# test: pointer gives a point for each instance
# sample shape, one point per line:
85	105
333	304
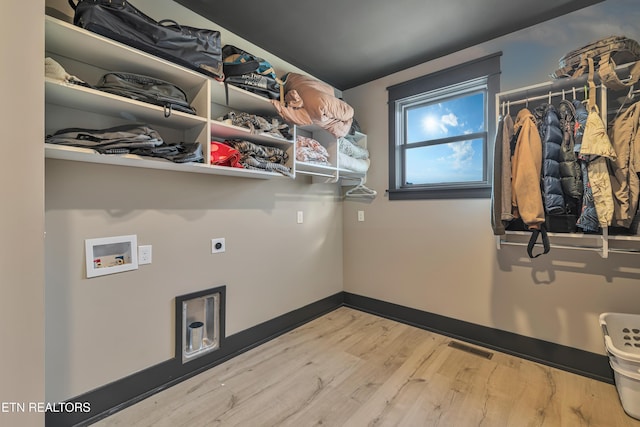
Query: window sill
440	193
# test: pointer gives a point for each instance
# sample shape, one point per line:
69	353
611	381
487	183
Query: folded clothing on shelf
311	151
351	149
353	164
136	139
257	124
256	156
123	138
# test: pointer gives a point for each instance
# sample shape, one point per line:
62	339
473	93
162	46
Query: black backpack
251	73
146	89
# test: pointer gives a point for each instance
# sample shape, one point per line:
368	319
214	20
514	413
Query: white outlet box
218	245
107	255
144	254
360	216
300	217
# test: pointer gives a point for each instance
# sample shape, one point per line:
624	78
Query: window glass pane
453	117
454	162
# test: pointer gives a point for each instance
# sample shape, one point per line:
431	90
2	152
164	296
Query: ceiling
350	42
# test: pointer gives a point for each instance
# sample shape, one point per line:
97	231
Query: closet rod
546	96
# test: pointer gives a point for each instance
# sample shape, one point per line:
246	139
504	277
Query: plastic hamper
622	341
628	386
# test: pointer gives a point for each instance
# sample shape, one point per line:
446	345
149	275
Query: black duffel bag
146	89
194	48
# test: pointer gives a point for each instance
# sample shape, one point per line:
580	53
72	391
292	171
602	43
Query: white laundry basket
622	341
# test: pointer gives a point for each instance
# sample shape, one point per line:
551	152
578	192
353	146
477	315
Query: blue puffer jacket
588	220
551	136
569	168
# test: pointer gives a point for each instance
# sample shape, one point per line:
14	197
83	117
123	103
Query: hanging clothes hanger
361	191
629	97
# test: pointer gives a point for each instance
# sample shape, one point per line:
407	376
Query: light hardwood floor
350	368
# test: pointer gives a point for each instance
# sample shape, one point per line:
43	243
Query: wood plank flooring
350	368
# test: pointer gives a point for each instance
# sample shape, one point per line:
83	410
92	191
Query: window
441	127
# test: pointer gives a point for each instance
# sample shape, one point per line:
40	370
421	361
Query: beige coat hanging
596	149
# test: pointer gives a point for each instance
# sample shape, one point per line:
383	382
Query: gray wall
22	214
440	255
102	329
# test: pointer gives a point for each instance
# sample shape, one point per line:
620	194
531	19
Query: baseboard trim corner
115	396
122	393
587	364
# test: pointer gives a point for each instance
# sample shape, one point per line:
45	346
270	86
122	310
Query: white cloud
613	17
449	120
462	154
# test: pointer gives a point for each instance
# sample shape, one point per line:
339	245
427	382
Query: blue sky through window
459	161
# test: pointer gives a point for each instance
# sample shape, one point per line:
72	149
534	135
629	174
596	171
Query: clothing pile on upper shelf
309	101
309	150
560	168
136	139
249	155
352	156
257	124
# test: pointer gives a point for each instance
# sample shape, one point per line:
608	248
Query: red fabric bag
224	155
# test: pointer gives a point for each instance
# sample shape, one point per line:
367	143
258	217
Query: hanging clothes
595	150
588	219
526	196
571	176
501	190
552	156
625	184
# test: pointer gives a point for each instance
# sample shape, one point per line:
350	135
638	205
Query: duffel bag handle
74	5
169	21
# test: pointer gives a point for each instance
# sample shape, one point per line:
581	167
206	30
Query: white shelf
316	169
99	102
333	170
346	174
226	131
84	53
78	154
241	100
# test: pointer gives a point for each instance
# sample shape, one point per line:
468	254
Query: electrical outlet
360	216
144	254
300	217
218	245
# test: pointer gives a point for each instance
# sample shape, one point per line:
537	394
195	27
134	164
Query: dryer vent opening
199	323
